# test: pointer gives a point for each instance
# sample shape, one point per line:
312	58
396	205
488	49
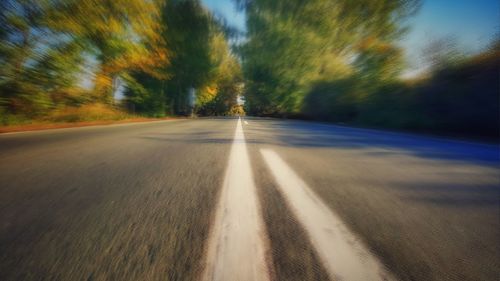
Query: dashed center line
343	255
236	248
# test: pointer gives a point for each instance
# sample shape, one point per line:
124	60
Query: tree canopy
294	44
156	50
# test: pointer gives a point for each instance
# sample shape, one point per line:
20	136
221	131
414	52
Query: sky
227	8
472	23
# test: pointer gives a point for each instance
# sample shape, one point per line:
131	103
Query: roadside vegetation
340	61
337	61
69	60
458	100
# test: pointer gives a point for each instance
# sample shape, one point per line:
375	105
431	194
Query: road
249	199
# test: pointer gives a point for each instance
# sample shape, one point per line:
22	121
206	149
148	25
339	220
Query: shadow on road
311	135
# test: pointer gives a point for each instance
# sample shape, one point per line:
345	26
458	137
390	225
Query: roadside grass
87	112
293	257
66	117
67	114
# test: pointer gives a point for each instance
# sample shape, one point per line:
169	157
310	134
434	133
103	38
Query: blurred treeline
340	61
59	56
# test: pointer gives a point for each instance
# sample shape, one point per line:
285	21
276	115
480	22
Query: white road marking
236	244
344	256
246	123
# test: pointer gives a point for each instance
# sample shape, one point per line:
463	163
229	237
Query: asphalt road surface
246	199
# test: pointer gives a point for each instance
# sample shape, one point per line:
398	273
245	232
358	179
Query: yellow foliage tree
125	35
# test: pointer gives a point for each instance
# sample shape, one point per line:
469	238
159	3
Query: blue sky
228	10
473	23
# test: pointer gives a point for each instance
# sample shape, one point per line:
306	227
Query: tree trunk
103	88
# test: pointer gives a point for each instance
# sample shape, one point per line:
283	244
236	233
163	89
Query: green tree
293	44
200	58
220	92
39	65
123	35
188	36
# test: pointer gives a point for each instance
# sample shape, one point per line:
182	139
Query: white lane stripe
344	256
236	244
246	123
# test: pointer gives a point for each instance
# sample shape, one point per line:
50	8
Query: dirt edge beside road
63	125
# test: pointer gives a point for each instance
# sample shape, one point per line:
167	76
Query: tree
39	65
200	58
441	53
293	44
188	36
219	95
123	35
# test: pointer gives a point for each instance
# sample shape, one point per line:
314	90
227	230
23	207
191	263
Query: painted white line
236	248
246	123
344	256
